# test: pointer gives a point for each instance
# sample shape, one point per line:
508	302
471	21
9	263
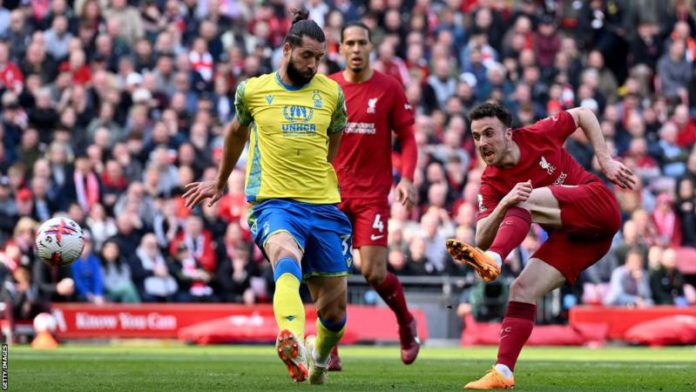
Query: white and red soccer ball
45	322
59	241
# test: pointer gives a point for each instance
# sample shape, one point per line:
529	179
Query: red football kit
590	214
376	107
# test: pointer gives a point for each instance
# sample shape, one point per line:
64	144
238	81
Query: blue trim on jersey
333	326
288	86
254	185
287	265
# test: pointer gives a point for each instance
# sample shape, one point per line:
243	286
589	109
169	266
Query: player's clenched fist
519	193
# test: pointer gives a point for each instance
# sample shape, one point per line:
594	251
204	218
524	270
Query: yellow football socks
287	305
328	335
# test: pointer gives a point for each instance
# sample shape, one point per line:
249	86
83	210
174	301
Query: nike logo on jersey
376	237
269	99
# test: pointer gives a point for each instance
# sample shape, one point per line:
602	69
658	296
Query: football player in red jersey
377	106
530	177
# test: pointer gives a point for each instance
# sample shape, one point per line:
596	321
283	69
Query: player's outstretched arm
615	171
487	228
235	140
406	191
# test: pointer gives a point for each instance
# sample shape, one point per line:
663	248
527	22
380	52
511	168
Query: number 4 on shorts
378	224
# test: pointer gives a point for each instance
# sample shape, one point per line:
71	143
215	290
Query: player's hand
196	192
406	193
518	194
619	174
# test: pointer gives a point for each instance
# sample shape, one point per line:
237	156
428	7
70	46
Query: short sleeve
488	199
557	127
339	116
402	111
241	106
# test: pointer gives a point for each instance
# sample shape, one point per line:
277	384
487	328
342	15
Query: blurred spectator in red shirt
666	221
198	241
687	128
11	77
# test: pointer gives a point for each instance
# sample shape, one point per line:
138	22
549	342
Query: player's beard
362	64
298	78
356	70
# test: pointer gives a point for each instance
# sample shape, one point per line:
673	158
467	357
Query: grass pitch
366	369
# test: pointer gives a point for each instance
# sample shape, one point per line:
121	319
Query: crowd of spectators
109	106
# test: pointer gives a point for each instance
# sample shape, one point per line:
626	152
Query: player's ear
287	48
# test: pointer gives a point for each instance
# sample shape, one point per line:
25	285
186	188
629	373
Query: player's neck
512	157
358	77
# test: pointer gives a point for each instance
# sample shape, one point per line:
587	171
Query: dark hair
119	262
491	109
636	251
302	26
356	23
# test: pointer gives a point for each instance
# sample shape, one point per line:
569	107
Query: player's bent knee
333	314
522	291
374	269
282	245
374	276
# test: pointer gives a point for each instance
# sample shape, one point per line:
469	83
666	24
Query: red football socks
517	326
392	293
512	231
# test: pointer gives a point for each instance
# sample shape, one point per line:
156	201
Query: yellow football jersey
290	128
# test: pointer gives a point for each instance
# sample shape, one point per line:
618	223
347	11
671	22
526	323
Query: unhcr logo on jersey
298	118
297	113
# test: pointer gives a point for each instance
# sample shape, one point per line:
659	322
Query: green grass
366	369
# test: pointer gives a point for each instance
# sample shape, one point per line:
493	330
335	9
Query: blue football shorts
322	232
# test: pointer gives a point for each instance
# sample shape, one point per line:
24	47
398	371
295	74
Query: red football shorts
590	217
370	219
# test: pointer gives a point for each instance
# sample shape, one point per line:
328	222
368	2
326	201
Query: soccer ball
44	322
59	241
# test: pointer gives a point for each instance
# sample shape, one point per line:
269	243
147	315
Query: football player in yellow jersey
294	120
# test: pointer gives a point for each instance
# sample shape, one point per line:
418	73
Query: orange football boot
292	353
484	264
492	380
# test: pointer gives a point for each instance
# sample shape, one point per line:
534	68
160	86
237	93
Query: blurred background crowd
109	106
